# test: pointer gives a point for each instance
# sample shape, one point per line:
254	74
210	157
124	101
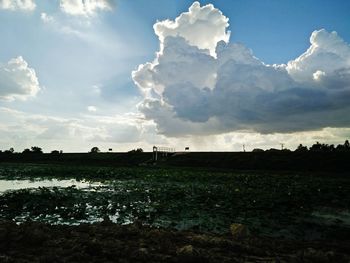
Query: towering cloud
17	80
26	5
328	55
200	26
84	7
199	83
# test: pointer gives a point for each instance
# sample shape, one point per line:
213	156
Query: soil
108	242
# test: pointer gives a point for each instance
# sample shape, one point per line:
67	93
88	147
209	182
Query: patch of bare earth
108	242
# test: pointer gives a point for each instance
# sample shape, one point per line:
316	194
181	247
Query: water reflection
153	203
6	185
332	217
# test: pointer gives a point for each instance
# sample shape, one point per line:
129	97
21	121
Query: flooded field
12	185
276	205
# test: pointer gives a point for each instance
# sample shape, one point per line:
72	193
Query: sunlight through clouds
23	5
81	73
85	7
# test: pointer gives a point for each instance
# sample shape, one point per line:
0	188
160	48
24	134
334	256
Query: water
11	185
332	217
157	204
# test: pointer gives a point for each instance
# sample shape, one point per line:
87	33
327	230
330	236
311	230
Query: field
292	206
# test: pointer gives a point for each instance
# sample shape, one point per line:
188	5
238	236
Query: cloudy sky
211	75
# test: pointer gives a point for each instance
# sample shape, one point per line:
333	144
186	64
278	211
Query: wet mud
108	242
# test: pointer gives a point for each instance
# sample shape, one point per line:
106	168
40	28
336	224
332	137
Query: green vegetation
299	205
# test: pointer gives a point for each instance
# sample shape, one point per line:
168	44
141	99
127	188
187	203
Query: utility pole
155	153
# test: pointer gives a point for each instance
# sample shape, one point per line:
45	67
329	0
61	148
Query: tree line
38	150
317	147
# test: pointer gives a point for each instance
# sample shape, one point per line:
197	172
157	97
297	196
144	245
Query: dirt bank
107	242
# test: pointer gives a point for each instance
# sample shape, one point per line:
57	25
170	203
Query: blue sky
83	63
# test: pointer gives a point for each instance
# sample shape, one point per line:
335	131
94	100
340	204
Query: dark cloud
191	90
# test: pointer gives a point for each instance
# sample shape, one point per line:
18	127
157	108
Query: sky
209	75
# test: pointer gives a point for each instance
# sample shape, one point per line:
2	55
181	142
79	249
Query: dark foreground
174	215
108	242
331	161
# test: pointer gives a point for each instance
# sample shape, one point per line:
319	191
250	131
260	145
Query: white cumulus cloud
188	90
17	80
85	7
200	26
46	18
25	5
328	54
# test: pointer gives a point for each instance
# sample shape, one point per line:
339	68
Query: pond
12	185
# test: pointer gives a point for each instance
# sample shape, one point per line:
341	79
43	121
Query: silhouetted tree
55	152
26	151
340	148
273	150
322	147
301	148
316	147
257	150
343	147
9	151
138	150
331	148
36	149
95	150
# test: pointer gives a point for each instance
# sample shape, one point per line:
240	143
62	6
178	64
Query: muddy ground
108	242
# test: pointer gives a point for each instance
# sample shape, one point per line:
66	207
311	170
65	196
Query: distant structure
187	148
164	151
110	149
243	147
